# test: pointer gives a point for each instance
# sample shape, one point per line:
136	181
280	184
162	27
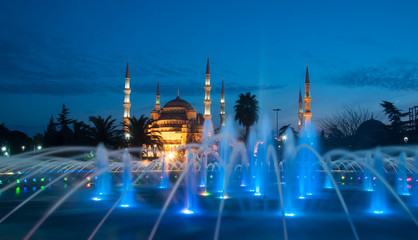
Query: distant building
413	119
411	134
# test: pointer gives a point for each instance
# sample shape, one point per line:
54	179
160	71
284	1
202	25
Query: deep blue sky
74	53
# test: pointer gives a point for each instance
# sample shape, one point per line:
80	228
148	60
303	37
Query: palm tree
246	111
284	128
140	134
105	131
81	133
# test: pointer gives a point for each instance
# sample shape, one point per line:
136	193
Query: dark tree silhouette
340	128
81	133
345	122
65	134
13	140
397	127
4	132
284	128
140	134
38	140
51	134
246	111
394	114
105	131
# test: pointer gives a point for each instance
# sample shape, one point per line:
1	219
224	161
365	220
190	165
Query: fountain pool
231	191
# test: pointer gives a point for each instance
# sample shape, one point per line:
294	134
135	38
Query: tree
81	133
284	128
341	127
51	133
397	127
140	134
345	122
63	119
17	140
65	134
13	140
38	140
105	131
394	115
246	111
4	133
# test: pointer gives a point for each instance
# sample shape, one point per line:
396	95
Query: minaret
157	100
222	115
155	114
127	102
207	87
300	112
307	99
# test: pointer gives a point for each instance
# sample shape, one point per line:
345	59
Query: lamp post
155	151
277	121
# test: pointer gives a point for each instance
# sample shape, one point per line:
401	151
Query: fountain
251	144
164	173
208	133
367	176
103	180
378	203
222	188
402	182
128	198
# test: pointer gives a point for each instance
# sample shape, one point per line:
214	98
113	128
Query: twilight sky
74	53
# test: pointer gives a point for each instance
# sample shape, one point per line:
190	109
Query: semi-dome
371	133
371	126
178	102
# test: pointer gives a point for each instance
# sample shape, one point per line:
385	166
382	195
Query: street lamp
405	139
284	138
155	150
277	121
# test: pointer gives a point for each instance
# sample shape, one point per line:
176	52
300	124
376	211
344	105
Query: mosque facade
177	122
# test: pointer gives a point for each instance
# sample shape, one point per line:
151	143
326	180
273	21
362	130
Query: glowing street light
3	149
284	138
170	156
39	147
405	139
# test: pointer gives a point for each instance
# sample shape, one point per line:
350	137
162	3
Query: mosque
178	123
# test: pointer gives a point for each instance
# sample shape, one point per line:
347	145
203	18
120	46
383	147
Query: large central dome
178	102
